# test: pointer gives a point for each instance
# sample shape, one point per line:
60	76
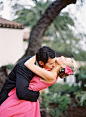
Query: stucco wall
11	45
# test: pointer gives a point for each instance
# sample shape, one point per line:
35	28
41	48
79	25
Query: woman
13	107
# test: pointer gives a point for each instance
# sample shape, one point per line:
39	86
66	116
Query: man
20	76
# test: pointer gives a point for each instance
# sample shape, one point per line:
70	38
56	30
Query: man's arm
23	77
3	96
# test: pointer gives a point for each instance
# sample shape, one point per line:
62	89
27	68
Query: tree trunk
36	36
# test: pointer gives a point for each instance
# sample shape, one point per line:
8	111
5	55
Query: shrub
55	98
10	66
45	100
64	88
81	98
81	76
62	102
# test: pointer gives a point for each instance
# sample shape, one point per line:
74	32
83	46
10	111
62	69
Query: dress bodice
36	84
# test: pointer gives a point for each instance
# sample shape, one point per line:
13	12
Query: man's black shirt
19	77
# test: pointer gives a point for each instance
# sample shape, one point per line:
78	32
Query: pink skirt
13	107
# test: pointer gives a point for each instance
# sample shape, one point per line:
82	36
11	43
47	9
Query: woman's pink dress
13	107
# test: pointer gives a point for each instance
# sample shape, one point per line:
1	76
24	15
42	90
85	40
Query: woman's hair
73	64
72	67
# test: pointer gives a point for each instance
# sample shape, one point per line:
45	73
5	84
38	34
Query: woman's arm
46	75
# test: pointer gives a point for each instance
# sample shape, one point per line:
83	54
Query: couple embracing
27	80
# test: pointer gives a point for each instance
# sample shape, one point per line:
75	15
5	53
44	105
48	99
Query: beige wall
11	45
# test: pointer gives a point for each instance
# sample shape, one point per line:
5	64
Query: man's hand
41	91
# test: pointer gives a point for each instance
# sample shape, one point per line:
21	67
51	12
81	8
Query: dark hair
62	73
44	53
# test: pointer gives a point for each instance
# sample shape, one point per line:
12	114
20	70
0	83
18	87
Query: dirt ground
75	111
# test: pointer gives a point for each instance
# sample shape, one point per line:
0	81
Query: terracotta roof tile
10	24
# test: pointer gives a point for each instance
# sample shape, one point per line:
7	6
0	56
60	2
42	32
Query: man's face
50	64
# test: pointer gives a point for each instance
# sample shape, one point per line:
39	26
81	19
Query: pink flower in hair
68	71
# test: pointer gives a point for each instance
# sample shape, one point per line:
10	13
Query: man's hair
44	53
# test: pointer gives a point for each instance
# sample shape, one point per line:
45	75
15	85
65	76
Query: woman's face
64	61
